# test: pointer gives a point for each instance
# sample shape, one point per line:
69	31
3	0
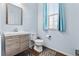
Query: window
53	21
53	15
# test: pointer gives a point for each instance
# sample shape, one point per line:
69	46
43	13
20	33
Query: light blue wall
67	41
29	18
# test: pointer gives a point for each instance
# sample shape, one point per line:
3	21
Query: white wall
67	41
29	18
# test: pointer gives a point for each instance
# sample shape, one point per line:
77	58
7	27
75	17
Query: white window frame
54	25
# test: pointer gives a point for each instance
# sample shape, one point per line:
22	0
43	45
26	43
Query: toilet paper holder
49	37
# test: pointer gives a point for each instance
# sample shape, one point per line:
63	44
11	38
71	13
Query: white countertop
16	33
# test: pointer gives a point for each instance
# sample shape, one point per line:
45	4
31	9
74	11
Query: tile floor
46	52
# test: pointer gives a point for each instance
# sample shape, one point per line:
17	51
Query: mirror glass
13	14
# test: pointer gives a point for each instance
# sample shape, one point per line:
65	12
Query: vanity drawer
16	44
23	41
24	38
12	46
12	41
24	46
10	50
12	37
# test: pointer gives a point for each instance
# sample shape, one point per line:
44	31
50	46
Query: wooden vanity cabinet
16	44
24	43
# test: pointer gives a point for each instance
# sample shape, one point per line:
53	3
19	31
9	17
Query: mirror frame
21	21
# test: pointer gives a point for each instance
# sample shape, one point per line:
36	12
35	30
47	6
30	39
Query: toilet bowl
38	45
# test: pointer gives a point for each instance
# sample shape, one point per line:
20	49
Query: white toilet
38	45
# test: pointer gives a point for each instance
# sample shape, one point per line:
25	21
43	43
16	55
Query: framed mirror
13	14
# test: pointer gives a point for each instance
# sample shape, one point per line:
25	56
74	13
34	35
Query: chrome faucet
15	30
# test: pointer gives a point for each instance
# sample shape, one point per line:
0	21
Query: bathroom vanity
16	43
